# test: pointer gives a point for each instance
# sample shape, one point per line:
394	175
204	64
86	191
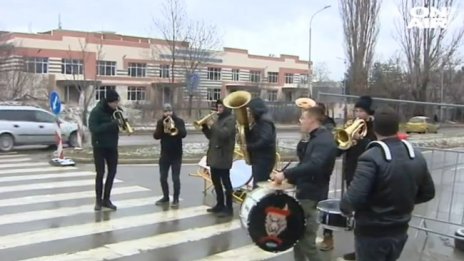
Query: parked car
27	125
421	124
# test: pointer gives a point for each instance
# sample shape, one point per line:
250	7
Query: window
214	74
135	93
289	78
272	76
71	66
16	115
213	94
106	68
100	92
255	76
164	71
235	75
41	116
137	69
36	65
272	95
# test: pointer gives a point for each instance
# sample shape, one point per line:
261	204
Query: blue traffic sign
55	103
193	80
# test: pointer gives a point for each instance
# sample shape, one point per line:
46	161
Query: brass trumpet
346	137
170	127
197	124
122	121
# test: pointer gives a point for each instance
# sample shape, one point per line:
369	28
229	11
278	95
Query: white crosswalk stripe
48	216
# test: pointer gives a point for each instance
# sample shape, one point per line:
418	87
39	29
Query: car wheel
6	142
72	142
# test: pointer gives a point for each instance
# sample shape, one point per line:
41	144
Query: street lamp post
310	84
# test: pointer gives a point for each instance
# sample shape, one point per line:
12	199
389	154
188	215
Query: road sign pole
59	159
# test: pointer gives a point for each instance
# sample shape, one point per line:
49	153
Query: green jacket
104	129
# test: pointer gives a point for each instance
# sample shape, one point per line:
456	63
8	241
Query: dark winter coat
171	146
103	128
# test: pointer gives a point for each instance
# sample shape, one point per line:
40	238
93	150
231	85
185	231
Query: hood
258	108
103	104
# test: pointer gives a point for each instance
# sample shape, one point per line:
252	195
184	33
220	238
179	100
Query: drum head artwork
240	174
276	223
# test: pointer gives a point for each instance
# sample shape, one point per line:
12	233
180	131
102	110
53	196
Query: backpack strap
410	149
381	144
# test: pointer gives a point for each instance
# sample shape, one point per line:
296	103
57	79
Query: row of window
108	68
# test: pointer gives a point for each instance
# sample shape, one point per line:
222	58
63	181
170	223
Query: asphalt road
47	214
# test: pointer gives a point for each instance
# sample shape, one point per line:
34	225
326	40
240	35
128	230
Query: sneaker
226	213
162	202
349	257
108	204
175	204
327	244
215	209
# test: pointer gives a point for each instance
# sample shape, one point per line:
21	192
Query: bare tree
191	44
321	72
425	49
360	27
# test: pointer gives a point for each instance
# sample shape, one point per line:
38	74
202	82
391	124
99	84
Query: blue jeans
379	248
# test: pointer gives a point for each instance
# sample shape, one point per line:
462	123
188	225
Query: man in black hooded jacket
261	141
171	155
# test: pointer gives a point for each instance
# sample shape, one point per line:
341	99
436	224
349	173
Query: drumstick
286	166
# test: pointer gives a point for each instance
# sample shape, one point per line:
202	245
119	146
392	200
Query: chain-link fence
342	106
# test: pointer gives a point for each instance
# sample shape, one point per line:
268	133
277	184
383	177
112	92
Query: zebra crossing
46	213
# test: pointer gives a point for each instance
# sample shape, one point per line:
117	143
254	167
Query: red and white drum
275	221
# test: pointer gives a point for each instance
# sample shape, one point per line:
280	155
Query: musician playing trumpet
170	130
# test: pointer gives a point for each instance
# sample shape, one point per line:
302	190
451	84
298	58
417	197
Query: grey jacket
221	138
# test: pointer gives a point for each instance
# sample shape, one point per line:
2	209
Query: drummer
261	141
311	176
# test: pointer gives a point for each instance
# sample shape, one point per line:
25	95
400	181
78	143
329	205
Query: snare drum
275	221
240	174
330	216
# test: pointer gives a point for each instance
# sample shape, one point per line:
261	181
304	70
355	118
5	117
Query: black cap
112	95
365	103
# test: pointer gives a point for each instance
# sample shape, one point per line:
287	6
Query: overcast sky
261	26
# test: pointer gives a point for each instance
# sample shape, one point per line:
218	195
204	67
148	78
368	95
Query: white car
27	125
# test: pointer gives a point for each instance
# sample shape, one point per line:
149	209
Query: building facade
81	64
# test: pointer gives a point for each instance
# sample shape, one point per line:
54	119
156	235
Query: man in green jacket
105	135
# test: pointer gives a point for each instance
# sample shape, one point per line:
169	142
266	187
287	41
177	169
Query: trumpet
346	137
197	124
170	127
122	121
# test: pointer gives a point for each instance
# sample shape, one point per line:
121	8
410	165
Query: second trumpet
170	127
197	124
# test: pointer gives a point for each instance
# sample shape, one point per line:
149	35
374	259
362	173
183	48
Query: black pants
221	177
100	156
164	164
261	170
379	248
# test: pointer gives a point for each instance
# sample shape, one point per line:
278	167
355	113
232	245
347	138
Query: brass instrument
122	121
305	103
346	137
197	124
238	101
170	127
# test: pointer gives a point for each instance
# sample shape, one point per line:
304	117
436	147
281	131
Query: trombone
122	121
197	124
170	127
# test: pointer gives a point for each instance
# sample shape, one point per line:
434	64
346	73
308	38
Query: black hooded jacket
261	140
104	129
171	146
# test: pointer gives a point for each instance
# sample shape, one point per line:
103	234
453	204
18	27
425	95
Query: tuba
305	103
238	102
346	137
122	121
197	124
170	127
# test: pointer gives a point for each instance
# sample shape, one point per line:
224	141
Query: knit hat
167	107
365	103
386	122
257	107
112	95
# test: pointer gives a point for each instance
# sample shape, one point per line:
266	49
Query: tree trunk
190	105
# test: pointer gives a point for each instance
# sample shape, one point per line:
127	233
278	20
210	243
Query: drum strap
386	150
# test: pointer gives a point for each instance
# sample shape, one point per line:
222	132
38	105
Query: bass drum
275	221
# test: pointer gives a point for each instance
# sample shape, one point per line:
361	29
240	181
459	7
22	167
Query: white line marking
15	160
70	211
47	176
134	247
252	253
65	196
50	185
30	170
24	164
12	156
45	235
